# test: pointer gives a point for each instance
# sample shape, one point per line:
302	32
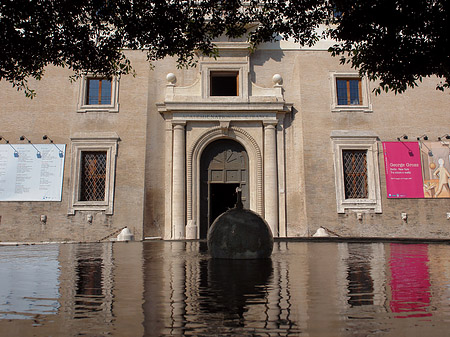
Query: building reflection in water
208	296
175	288
310	288
410	280
360	282
87	285
90	273
232	287
101	289
362	273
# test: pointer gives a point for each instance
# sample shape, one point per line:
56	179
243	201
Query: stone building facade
175	143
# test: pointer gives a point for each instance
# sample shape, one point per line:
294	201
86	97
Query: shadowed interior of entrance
222	198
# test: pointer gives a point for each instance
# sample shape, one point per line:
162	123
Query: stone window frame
93	142
365	106
83	107
357	140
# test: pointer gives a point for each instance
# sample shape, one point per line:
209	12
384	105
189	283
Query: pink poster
403	168
436	169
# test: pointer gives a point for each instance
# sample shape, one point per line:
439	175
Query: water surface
175	288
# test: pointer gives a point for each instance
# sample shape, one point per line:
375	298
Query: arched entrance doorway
223	167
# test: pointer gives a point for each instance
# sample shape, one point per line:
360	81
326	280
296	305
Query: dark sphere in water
240	234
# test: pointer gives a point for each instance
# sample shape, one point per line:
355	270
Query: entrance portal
223	167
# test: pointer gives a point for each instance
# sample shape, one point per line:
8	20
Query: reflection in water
234	285
175	288
28	281
192	294
360	286
89	295
410	281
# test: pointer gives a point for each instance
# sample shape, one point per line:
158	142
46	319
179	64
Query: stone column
270	177
178	182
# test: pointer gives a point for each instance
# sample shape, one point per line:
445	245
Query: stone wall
143	174
53	112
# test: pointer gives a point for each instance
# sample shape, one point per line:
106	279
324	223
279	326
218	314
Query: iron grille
93	176
355	174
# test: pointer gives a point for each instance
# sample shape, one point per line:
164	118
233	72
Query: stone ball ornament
171	78
277	79
240	234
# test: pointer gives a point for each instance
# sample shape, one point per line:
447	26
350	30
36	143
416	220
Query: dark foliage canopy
394	41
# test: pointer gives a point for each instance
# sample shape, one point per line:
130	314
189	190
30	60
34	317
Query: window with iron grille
93	175
355	173
93	170
356	167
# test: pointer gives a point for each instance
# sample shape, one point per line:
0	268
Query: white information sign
31	173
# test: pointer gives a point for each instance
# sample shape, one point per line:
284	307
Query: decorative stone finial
171	78
125	235
277	79
239	203
321	232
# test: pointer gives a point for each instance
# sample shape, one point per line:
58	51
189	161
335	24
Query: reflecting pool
173	288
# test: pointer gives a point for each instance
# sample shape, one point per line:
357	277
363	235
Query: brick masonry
141	177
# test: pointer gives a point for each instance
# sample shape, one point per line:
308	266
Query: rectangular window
93	176
224	83
348	91
98	91
356	166
93	168
355	174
